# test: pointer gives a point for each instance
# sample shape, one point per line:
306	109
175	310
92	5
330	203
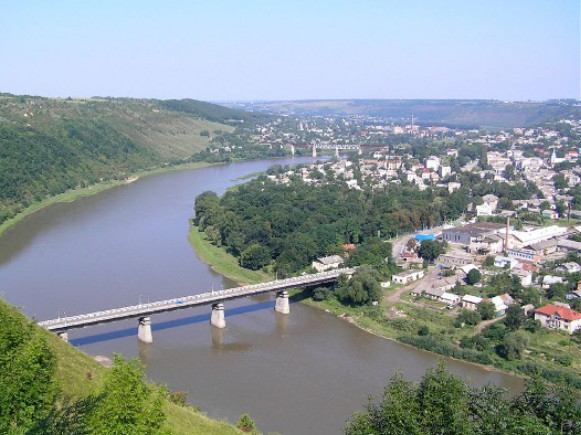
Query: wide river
300	374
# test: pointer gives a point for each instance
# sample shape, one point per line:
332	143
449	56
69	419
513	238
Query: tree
246	424
467	317
558	290
486	309
27	366
126	404
443	404
513	346
515	318
430	250
489	261
473	277
362	289
254	257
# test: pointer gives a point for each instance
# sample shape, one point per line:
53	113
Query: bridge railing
186	301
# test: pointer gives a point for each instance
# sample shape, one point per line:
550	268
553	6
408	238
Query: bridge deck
144	310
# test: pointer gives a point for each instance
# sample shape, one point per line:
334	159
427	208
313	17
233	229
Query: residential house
525	276
471	302
501	303
568	268
549	280
504	261
408	276
450	298
559	317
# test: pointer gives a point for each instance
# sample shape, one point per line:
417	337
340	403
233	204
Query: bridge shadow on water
201	318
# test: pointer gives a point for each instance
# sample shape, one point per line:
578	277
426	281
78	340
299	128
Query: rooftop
562	312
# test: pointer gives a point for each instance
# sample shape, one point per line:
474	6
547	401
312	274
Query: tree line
263	222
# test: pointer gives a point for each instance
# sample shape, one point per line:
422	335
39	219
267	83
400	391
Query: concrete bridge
335	147
214	298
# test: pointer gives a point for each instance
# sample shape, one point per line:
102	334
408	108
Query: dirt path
486	323
425	281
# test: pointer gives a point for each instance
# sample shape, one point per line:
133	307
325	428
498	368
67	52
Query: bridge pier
144	330
314	151
64	335
217	318
282	305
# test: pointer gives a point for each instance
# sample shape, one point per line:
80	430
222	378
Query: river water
300	374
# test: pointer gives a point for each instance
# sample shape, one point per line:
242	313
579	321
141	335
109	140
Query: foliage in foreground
31	401
444	404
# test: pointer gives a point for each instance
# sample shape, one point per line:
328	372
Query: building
568	268
525	276
471	233
568	246
503	261
451	260
523	238
325	263
524	254
408	276
559	317
501	303
470	302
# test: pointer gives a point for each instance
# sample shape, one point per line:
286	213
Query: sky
226	50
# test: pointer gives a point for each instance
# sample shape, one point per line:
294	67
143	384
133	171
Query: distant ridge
472	113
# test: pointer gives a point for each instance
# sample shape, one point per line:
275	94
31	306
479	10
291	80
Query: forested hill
48	145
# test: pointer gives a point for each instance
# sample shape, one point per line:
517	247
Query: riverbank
400	322
94	189
222	262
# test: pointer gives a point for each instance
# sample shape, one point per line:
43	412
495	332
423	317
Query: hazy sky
300	49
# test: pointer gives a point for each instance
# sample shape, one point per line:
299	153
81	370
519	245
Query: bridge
215	298
335	147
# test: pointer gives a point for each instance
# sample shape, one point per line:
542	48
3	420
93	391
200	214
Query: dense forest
263	221
49	146
444	404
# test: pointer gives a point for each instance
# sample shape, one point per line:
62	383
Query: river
300	374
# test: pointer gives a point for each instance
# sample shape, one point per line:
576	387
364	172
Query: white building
325	263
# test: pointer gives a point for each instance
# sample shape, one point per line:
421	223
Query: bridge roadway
216	298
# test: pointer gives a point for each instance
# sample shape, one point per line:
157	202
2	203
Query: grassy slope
222	262
74	365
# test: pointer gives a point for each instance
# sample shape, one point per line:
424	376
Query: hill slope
48	146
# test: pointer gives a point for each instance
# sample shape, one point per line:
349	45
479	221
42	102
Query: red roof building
559	317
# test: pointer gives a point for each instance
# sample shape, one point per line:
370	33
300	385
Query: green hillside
49	146
29	351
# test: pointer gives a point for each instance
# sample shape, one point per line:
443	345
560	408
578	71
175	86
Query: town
535	239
